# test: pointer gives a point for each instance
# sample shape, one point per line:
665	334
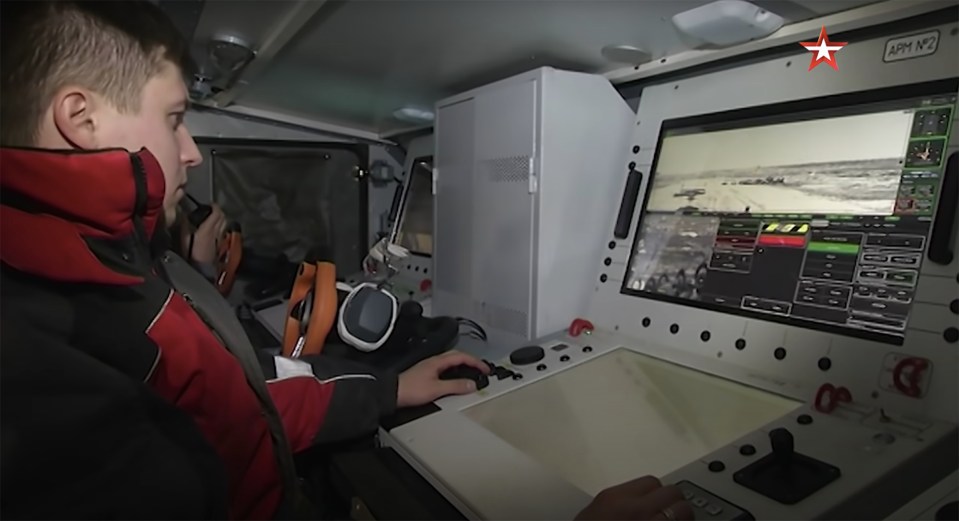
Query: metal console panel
933	504
540	446
525	170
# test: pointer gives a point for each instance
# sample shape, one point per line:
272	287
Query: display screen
414	230
817	217
623	415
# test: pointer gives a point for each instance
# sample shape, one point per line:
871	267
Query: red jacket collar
59	208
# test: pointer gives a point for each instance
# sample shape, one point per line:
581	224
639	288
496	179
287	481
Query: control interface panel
709	506
772	217
844	270
407	261
517	368
414	225
413	231
737	453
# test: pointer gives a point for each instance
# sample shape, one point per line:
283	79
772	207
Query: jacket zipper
140	201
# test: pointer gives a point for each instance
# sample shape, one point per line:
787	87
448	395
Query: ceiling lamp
727	22
414	115
626	54
229	53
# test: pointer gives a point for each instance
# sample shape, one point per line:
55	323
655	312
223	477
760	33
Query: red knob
580	326
425	285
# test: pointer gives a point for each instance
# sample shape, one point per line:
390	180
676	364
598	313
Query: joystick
785	475
783	446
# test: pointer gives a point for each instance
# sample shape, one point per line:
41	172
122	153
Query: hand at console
431	378
466	372
639	499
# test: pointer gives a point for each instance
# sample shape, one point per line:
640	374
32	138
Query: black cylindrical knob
527	355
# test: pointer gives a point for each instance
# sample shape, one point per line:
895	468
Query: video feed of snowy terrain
845	165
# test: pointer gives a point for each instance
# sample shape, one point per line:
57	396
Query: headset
367	316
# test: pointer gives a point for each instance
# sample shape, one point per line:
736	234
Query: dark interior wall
199	179
290	197
205	125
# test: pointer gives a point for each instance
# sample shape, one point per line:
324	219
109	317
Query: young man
118	401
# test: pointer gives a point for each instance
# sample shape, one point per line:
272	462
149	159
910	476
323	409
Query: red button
425	285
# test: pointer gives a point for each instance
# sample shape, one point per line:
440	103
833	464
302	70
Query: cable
474	330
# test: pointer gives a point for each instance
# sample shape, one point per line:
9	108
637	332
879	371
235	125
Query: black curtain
290	201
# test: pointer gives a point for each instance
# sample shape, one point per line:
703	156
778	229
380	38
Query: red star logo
824	49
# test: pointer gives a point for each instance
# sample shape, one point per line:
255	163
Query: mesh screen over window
291	201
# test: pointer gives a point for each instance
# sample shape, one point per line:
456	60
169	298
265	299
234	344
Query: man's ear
74	114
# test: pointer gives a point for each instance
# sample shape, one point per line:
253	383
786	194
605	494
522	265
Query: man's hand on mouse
640	499
421	383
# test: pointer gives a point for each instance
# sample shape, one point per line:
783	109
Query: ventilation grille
506	169
498	317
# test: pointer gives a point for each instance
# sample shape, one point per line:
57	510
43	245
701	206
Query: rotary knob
527	355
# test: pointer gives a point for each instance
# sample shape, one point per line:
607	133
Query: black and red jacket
117	399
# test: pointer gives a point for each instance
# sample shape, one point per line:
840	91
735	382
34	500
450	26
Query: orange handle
228	255
314	288
323	315
302	285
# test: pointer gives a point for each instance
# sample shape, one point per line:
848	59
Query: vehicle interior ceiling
335	78
350	66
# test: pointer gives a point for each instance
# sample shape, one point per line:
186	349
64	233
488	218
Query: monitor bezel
401	212
799	110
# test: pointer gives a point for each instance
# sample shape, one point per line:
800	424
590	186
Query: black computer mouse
948	511
467	372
